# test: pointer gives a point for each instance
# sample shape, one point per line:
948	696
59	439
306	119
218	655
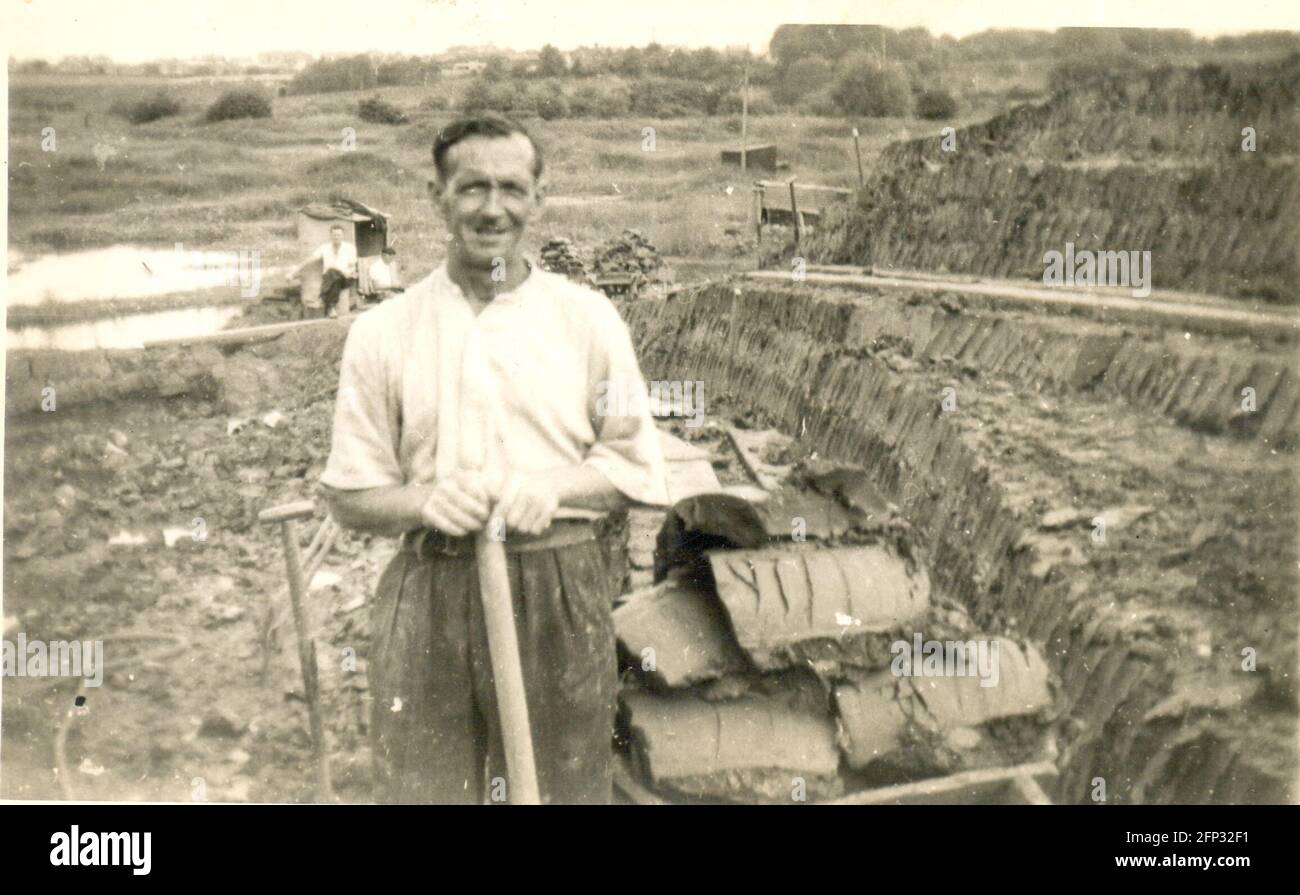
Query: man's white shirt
381	275
344	260
546	352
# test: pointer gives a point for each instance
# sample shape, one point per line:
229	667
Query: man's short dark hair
480	126
390	251
338	227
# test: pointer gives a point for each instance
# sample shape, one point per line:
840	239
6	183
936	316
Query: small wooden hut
363	226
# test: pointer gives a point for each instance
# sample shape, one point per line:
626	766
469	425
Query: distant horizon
243	29
491	48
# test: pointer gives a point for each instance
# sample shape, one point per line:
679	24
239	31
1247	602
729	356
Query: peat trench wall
1150	162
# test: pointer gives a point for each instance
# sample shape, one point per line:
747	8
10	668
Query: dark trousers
332	285
435	731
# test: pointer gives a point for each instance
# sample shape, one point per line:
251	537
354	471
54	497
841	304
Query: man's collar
513	297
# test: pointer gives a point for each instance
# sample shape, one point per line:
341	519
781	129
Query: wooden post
794	214
744	116
857	150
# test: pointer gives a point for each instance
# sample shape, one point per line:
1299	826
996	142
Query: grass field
236	185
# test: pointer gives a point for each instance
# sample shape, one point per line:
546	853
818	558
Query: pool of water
128	272
129	331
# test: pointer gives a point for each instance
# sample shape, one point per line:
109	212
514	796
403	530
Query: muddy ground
201	700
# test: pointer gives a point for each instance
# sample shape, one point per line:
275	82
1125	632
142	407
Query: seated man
383	275
339	268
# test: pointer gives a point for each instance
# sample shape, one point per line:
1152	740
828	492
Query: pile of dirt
774	659
1160	166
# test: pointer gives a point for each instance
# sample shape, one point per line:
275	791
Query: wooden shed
762	157
363	226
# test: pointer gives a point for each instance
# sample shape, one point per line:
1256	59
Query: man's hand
528	504
457	505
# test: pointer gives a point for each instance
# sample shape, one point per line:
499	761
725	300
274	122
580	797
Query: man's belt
427	543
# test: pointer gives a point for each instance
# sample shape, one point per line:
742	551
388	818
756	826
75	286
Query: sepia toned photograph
470	402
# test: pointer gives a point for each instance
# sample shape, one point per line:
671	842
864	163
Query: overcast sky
135	30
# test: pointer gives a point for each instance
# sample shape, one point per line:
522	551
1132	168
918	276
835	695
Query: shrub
413	71
864	86
760	103
935	104
1113	71
151	108
239	104
551	62
484	95
495	69
547	100
377	111
675	97
592	100
803	77
331	75
821	105
436	102
659	99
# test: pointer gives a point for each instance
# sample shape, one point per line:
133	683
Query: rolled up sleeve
627	449
366	438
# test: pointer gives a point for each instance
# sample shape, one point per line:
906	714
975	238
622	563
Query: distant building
467	68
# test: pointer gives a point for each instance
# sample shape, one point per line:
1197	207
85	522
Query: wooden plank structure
1015	785
807	201
807	209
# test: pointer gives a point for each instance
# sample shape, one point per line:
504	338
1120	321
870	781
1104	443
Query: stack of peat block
765	664
558	256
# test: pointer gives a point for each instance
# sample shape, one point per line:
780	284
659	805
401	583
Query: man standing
473	399
338	268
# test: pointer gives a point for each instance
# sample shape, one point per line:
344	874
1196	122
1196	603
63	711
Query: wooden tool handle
285	511
307	658
503	646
